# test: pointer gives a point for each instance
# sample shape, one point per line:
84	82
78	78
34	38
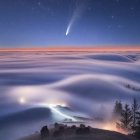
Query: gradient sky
44	22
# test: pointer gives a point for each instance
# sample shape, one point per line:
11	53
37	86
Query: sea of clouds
83	84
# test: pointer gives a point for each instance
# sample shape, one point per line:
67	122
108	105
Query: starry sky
69	22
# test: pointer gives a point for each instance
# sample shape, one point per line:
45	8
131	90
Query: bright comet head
67	33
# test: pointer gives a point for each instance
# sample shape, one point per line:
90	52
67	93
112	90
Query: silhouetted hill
95	134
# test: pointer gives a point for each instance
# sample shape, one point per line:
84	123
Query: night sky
69	22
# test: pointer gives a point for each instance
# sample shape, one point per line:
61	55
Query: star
112	17
120	26
109	26
132	8
39	3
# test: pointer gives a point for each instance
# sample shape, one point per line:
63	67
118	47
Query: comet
70	25
68	29
76	14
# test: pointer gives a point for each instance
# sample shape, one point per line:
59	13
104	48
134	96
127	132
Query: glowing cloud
22	100
55	110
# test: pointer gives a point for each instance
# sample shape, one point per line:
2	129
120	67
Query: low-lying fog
42	88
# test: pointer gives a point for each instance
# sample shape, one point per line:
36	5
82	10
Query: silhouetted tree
117	110
82	126
126	119
137	127
135	108
44	132
59	130
87	130
56	126
73	127
82	130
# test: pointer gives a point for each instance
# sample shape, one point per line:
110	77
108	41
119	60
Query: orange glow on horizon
112	127
75	49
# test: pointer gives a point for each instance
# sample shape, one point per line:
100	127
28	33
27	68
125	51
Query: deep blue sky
44	22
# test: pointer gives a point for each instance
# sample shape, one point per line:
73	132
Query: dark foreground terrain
80	133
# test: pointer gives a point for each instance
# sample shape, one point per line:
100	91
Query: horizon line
73	48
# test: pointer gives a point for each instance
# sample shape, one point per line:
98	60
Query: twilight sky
69	22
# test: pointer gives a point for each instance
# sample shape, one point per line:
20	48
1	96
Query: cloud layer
85	82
